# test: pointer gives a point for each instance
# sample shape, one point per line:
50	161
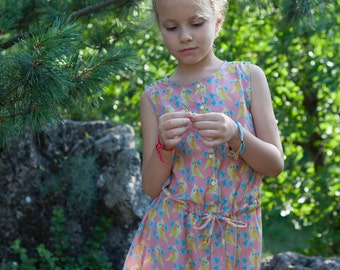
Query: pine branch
94	8
13	41
10	116
81	13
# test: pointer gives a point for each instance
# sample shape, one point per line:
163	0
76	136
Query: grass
281	236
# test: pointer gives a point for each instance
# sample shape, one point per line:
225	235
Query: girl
209	133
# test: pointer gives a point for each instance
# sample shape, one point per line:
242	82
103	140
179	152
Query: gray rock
295	261
35	169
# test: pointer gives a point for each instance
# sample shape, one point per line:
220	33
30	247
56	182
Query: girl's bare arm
170	127
264	152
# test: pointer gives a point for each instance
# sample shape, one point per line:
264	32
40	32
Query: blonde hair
214	7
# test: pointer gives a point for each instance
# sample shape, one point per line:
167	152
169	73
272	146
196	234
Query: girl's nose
185	35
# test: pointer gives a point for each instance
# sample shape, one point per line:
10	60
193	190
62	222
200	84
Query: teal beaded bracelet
236	154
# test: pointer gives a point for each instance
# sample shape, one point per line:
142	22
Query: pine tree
55	55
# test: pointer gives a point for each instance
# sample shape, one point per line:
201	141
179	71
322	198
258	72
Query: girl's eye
199	24
173	28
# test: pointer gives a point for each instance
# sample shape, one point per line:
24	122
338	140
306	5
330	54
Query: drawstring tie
212	218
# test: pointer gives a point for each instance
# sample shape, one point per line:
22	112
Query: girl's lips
187	50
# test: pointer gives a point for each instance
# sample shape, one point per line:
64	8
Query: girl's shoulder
239	67
247	67
159	84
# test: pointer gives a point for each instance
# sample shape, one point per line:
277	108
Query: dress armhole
243	70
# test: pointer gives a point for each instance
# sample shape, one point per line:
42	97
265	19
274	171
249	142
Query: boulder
90	169
296	261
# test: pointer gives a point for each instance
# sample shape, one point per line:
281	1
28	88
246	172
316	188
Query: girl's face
188	30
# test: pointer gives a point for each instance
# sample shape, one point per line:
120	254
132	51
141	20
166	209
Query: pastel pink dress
208	214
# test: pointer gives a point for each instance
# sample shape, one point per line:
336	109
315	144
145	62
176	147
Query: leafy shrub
57	258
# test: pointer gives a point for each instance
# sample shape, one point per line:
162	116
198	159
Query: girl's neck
189	73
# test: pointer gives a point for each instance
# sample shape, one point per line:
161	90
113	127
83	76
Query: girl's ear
219	21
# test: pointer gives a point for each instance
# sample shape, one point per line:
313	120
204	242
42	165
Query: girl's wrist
160	146
236	144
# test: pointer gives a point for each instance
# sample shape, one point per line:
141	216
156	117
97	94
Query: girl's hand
172	126
214	128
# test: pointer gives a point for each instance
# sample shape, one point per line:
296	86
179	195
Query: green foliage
27	263
53	67
279	236
56	258
39	62
58	226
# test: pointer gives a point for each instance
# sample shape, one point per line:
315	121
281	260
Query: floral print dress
208	214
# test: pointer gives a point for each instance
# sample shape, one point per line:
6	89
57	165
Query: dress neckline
167	79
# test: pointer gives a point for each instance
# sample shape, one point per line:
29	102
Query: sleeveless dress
208	214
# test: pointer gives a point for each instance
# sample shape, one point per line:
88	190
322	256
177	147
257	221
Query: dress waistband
205	219
205	216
